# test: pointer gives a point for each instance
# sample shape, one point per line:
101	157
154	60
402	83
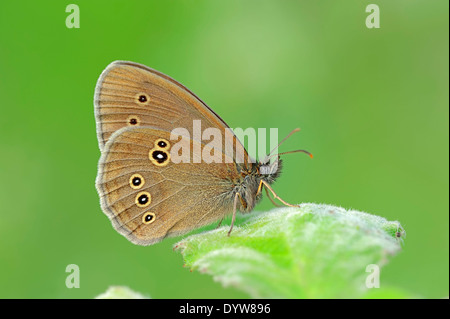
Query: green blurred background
372	105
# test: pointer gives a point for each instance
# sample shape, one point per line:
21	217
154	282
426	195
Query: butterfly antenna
284	139
296	151
268	156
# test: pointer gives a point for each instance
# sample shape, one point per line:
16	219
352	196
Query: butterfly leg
236	197
271	199
276	196
267	192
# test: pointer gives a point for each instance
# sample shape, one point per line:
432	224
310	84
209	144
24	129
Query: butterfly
145	193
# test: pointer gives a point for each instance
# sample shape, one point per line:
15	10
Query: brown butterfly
148	196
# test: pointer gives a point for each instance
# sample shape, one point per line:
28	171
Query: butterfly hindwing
148	197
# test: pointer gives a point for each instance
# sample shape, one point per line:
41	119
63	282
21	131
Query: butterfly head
268	171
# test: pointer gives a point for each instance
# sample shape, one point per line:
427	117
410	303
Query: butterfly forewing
131	94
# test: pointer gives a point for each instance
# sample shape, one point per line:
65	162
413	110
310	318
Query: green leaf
314	251
120	292
389	293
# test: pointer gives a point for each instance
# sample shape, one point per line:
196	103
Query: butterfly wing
131	95
148	197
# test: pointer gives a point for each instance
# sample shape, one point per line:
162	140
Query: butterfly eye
143	199
136	181
159	157
133	121
162	143
148	218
